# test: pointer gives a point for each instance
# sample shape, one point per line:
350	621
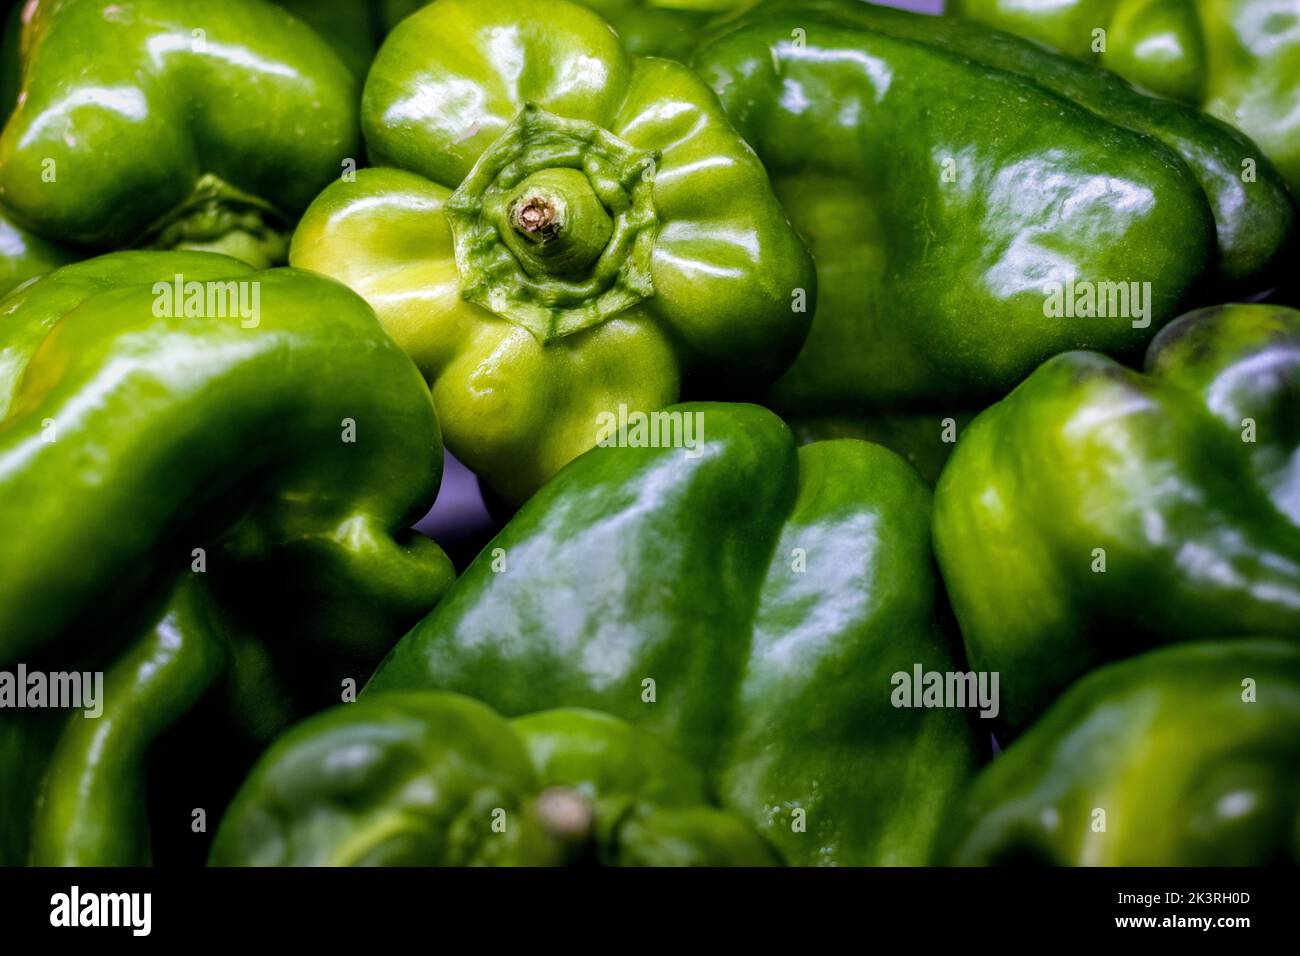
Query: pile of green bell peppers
893	460
1238	60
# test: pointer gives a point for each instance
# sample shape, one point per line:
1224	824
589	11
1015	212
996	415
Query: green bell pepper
670	28
423	778
747	601
89	808
202	125
1184	756
205	430
926	440
953	181
249	424
23	254
562	232
1097	510
25	746
354	28
1238	60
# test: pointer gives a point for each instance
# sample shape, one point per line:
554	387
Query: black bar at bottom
333	908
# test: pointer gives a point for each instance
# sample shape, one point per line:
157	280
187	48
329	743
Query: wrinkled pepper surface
560	231
946	175
285	437
1097	510
1185	756
203	125
430	779
1238	60
748	602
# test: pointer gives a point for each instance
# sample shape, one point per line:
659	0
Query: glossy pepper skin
202	125
205	430
1097	510
89	808
1238	60
432	779
559	229
669	28
354	28
925	439
1184	756
23	254
296	443
968	171
746	601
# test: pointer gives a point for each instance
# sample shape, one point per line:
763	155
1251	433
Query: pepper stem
556	225
536	218
218	217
